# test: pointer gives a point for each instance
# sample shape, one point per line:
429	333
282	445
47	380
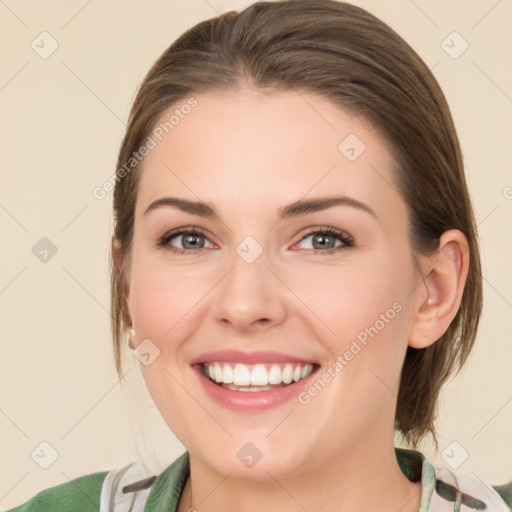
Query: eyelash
344	237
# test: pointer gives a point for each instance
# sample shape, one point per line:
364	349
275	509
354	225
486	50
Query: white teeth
258	377
228	374
288	374
242	375
218	373
274	375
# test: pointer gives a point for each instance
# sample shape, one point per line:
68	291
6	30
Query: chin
253	461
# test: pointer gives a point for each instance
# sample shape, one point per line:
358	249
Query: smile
253	381
255	377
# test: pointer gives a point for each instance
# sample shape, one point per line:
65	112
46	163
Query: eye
188	240
191	240
326	240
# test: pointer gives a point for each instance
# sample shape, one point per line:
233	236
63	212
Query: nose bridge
249	293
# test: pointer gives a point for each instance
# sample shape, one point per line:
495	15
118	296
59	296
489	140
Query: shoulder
131	487
505	491
444	489
469	490
135	488
80	494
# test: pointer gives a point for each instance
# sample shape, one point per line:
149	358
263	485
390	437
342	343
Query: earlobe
439	299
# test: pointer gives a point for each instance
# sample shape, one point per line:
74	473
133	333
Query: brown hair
359	63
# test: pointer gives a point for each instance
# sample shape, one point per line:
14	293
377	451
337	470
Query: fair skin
248	154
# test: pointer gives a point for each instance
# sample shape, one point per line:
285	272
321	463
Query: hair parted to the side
347	55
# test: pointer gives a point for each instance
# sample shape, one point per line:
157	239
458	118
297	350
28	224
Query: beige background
63	119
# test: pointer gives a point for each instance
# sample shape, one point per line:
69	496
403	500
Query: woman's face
257	289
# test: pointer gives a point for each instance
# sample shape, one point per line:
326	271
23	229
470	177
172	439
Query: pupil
188	238
322	239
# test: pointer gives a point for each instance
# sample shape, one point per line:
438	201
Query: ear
119	262
438	303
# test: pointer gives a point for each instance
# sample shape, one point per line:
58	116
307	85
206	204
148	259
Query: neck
369	478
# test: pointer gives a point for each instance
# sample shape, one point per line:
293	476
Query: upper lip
237	356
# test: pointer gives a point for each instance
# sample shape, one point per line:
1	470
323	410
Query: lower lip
251	400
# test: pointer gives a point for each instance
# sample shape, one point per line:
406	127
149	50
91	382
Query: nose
250	297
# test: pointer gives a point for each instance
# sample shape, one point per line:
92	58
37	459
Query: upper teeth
258	374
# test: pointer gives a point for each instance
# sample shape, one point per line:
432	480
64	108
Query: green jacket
128	490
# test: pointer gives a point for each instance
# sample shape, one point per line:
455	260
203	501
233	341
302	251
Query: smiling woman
295	264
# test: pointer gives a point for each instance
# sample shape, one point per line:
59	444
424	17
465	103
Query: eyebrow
296	209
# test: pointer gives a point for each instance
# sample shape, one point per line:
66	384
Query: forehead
242	147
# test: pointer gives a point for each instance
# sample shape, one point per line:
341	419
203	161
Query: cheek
349	299
151	300
365	315
162	298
